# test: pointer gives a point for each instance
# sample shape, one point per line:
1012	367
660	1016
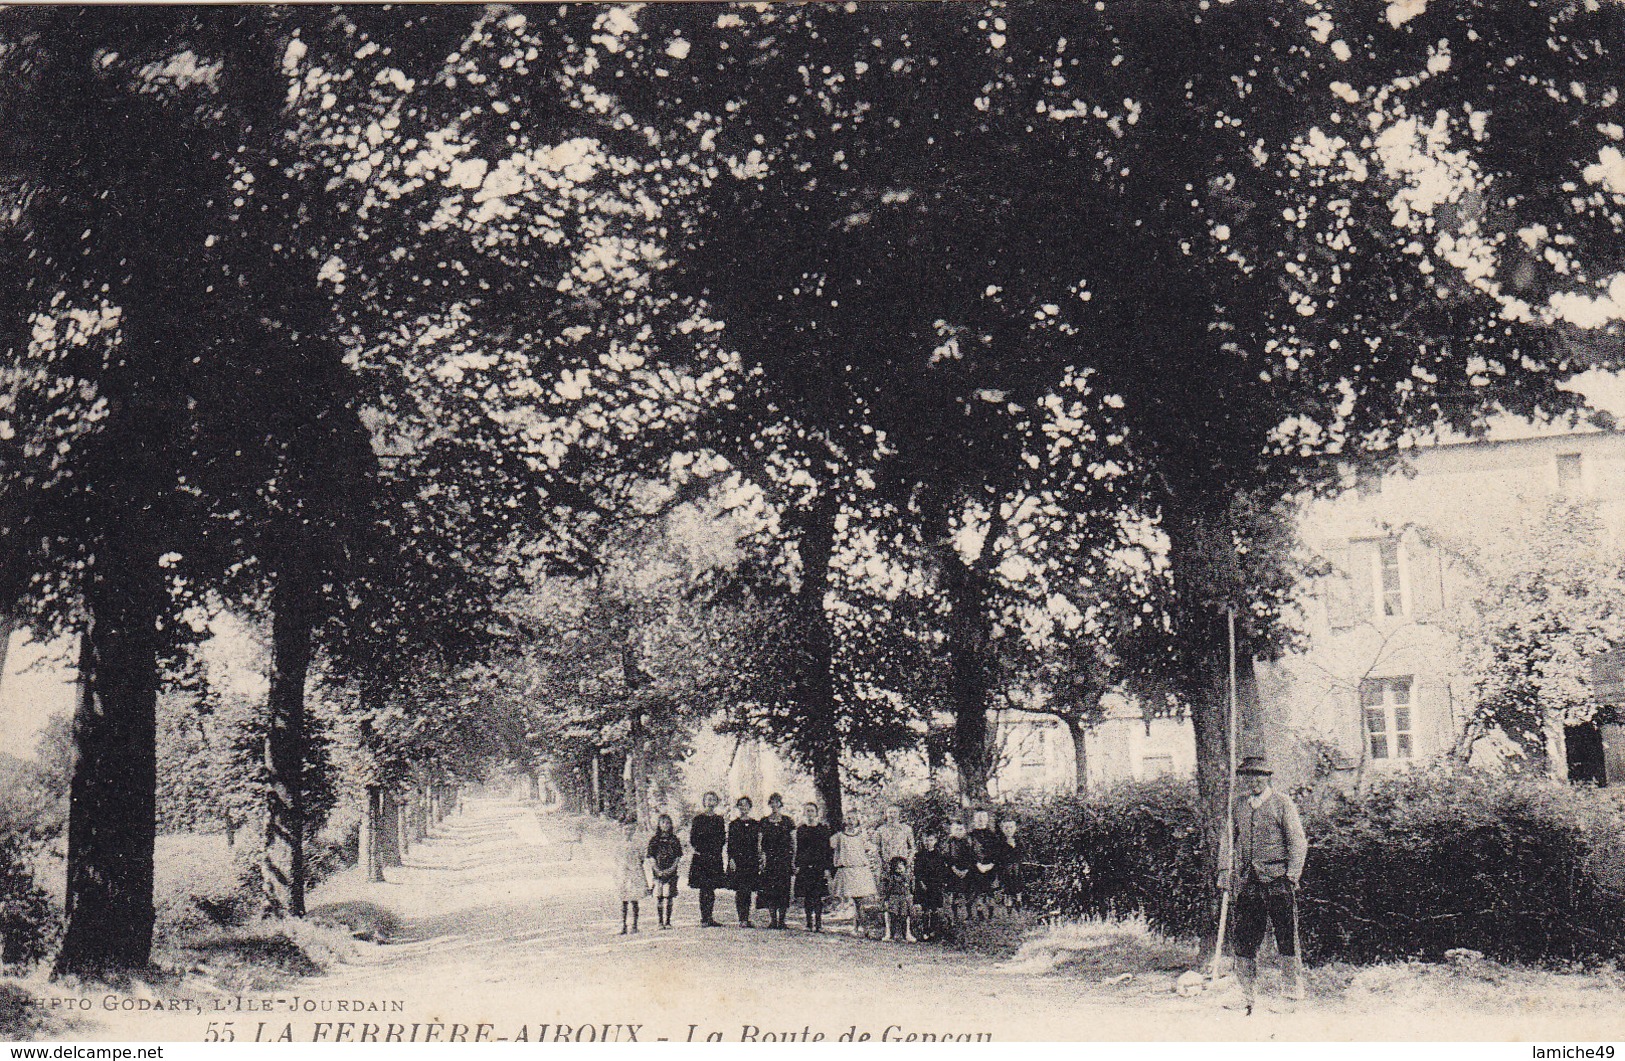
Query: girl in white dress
631	877
854	869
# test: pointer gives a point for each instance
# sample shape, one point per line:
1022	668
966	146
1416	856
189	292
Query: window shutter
1337	590
1434	728
1363	578
1427	581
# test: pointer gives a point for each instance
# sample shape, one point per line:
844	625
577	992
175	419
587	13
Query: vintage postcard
843	522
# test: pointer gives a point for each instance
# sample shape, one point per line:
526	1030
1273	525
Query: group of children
936	883
967	875
648	869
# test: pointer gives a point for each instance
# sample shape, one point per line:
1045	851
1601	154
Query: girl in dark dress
979	884
778	862
706	872
931	875
744	859
960	859
665	853
815	863
1011	884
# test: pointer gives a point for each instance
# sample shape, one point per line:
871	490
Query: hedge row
1413	865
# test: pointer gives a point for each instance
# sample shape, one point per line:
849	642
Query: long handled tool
1218	944
1297	946
1226	845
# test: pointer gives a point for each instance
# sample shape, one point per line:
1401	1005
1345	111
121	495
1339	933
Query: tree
1220	280
114	325
290	113
177	404
1545	599
870	327
622	664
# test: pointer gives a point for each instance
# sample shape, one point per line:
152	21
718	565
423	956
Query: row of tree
1009	334
1061	311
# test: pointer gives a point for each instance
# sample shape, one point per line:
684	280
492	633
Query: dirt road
508	930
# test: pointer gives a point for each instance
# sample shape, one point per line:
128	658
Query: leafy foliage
390	313
1546	600
1517	868
30	923
33	817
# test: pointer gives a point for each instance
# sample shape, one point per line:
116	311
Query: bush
33	814
202	885
1133	851
1519	868
336	848
30	923
928	811
1516	867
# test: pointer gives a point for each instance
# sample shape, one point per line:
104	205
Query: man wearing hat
1268	848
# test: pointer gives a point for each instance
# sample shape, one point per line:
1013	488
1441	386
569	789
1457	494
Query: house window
1570	469
1391	583
1386	705
1156	766
1034	755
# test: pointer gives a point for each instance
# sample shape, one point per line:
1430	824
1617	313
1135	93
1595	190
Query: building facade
1038	754
1377	681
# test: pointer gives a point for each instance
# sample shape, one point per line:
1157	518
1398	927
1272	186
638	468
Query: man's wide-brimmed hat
1255	764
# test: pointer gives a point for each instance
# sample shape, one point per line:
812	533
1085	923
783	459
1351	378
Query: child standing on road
895	838
631	878
1010	881
814	866
984	861
896	889
961	862
930	882
665	852
854	870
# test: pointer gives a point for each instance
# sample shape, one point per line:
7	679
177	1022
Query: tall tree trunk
970	677
395	854
293	604
8	623
966	584
381	830
822	741
1204	566
112	817
635	772
827	781
1079	733
374	835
